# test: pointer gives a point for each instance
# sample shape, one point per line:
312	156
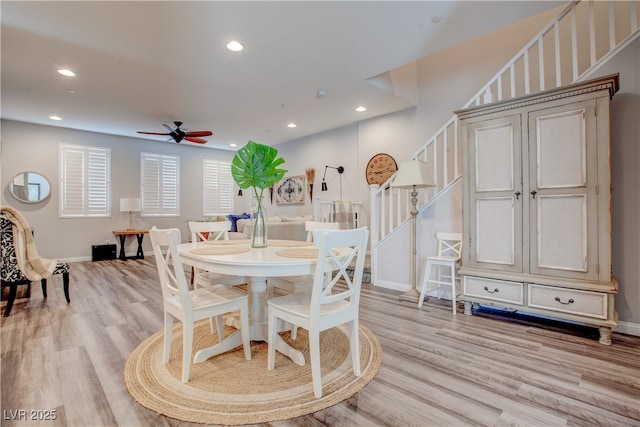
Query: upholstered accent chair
10	273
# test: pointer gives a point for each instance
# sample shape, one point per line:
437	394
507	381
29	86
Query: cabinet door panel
495	226
494	158
562	195
495	231
567	166
562	232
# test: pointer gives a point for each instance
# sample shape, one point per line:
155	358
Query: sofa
279	227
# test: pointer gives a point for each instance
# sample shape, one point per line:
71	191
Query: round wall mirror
30	187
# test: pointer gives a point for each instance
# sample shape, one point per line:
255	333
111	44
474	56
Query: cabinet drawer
491	289
582	303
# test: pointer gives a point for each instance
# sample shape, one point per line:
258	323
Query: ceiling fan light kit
179	134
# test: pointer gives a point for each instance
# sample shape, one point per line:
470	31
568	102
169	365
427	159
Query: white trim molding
628	328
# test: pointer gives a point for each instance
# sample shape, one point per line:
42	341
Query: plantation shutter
85	181
160	181
217	198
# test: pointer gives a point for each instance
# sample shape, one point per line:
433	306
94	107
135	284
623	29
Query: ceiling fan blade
199	133
153	133
167	127
197	140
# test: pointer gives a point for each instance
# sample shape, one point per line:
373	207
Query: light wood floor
438	370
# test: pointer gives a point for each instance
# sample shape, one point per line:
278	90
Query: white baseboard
396	286
628	328
75	259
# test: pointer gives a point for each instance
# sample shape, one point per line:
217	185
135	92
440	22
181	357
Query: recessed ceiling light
233	145
55	118
291	125
360	109
71	91
66	72
235	46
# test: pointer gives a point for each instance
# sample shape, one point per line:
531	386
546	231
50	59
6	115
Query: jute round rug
229	390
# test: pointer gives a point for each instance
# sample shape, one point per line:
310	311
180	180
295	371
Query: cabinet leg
467	308
605	336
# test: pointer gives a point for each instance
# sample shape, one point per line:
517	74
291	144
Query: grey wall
625	181
33	147
28	147
445	82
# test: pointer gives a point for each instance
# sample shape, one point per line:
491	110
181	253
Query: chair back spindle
449	244
218	230
333	269
170	271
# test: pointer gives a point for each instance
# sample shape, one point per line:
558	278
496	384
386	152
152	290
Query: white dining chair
189	306
440	270
292	284
209	231
327	305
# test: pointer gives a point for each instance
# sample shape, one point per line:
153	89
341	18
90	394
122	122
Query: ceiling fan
178	134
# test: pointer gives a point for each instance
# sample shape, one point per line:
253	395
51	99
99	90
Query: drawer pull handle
571	301
494	291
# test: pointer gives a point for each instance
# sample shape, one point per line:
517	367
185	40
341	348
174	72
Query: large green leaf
256	165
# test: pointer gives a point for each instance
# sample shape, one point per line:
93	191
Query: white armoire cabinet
537	205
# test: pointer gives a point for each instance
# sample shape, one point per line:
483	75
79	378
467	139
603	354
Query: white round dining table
257	265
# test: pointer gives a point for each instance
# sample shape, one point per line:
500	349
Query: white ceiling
141	64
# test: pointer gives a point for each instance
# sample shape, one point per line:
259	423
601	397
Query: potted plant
256	166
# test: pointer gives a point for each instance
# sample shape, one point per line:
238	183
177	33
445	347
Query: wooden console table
122	234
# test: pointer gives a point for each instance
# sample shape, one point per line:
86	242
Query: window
217	196
85	181
160	181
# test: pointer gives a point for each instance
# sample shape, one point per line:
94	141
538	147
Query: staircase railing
575	44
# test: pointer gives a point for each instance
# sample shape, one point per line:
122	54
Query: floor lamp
413	175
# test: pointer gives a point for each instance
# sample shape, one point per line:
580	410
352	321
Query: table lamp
413	174
130	205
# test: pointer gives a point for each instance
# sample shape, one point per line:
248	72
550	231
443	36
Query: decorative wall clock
380	168
290	190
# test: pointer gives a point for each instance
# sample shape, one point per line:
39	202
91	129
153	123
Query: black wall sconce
340	169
